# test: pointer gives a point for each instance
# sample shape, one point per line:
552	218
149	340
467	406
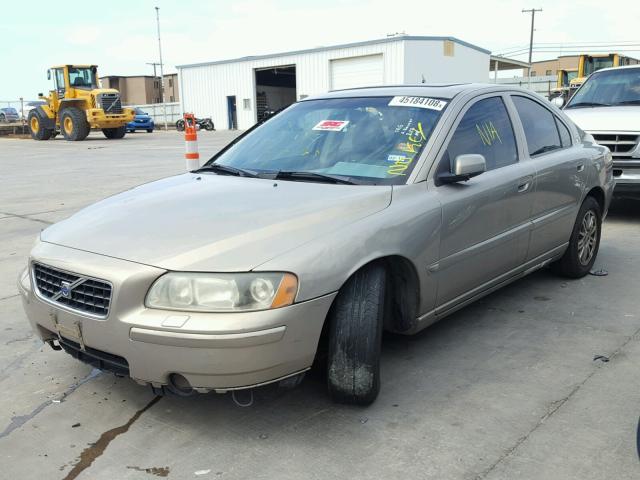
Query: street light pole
164	107
533	19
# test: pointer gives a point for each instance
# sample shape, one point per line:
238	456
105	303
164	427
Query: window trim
438	157
524	134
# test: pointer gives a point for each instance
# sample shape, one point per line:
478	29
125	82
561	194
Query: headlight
222	292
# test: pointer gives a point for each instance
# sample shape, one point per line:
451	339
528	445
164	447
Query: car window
485	129
565	136
370	140
539	126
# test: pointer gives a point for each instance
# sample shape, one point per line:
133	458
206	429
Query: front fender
409	228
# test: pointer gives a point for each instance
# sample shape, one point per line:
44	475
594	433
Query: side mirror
558	101
40	95
464	167
48	74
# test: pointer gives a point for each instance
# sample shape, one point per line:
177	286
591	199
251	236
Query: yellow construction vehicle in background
77	104
570	80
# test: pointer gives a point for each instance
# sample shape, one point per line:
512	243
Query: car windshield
10	110
139	111
611	87
370	140
82	77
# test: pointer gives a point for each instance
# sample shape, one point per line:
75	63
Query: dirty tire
36	127
355	334
114	133
571	265
74	125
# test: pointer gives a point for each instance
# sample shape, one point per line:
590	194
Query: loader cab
68	78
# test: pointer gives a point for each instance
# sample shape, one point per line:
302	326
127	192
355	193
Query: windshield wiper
628	102
226	170
588	104
311	176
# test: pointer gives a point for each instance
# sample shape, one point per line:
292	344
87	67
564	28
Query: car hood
214	223
604	119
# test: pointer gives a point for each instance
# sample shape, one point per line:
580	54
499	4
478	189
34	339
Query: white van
608	107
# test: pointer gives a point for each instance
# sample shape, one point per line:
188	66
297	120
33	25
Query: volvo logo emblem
65	289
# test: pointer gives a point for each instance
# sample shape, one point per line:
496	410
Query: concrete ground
507	388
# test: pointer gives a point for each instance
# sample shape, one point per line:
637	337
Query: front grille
96	358
83	294
111	103
620	144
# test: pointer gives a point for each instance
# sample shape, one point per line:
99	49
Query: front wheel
114	133
581	253
74	125
180	125
355	336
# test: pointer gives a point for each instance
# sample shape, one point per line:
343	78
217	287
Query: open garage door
275	89
365	71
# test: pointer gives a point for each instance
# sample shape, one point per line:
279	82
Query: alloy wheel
587	237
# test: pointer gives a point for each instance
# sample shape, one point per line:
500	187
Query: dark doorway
231	113
275	89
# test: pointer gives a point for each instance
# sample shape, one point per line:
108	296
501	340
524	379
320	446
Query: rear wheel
150	130
355	335
38	132
114	133
2	118
74	125
180	125
581	253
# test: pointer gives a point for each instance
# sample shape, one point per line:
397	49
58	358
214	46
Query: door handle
580	167
524	184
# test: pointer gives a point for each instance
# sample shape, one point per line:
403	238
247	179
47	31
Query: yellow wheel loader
76	105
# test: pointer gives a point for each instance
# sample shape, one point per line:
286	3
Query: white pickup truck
608	107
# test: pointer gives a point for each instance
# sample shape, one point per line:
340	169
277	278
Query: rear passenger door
560	174
486	220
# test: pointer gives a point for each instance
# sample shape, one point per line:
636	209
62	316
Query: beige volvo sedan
345	215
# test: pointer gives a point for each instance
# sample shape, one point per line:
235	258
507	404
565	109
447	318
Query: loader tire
74	125
36	127
114	133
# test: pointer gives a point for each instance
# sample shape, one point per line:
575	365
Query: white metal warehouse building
234	93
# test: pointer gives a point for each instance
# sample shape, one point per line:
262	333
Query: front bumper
137	125
99	119
626	174
220	351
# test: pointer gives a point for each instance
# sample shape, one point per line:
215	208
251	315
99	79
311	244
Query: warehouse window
533	73
246	103
448	48
171	82
548	72
171	98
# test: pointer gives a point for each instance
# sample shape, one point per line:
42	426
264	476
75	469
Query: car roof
438	90
617	68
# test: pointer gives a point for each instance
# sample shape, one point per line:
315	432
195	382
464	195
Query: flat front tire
584	243
355	335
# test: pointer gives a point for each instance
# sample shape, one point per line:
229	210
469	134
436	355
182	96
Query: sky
120	35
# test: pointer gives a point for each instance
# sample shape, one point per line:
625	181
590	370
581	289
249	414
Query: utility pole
164	107
155	76
533	19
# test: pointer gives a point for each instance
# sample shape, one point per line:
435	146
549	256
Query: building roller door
364	71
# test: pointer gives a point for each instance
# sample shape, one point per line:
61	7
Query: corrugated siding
204	89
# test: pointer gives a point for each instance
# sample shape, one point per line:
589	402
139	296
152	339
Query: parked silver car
9	115
346	214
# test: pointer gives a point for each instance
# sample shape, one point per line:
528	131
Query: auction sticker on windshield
420	102
331	125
